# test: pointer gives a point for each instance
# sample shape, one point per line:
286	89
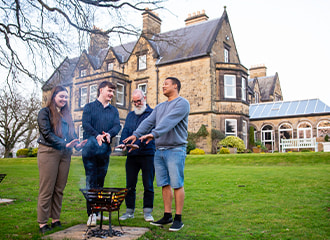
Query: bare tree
18	120
35	33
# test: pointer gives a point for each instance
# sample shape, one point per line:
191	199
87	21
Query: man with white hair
140	159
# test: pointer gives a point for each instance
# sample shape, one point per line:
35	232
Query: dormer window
226	55
142	62
256	97
110	66
83	72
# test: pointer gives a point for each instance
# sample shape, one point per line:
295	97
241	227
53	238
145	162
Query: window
304	130
92	93
81	133
256	97
245	133
117	139
267	137
142	63
231	127
120	94
83	72
323	128
226	55
83	96
243	89
285	131
143	88
230	86
110	66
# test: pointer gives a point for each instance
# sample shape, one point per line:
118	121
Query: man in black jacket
141	158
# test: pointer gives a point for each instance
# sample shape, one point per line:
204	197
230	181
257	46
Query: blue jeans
96	167
169	166
133	166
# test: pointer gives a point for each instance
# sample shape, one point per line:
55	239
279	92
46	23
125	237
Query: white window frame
280	130
226	55
92	92
110	66
325	129
143	88
120	94
256	97
83	96
142	62
243	89
304	130
83	72
264	133
245	134
234	122
230	87
80	133
117	139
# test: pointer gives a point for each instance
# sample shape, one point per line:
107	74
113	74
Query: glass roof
288	108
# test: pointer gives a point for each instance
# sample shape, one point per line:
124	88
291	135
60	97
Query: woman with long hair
57	138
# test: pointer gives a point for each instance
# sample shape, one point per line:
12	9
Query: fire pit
105	199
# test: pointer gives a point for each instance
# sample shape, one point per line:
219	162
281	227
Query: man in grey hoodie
169	121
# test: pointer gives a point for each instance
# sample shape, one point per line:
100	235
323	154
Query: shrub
197	151
22	152
34	152
224	150
232	141
191	145
326	138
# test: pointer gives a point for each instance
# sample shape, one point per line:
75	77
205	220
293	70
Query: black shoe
162	222
56	224
44	229
176	226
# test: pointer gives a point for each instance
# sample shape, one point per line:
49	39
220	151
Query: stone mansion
203	56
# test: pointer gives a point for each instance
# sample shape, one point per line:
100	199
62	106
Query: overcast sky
291	37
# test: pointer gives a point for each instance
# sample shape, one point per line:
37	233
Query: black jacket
47	134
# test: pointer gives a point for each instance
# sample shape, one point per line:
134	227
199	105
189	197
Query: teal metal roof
288	108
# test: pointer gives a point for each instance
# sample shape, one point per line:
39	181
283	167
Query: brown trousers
54	168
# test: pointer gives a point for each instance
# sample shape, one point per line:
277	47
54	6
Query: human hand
147	137
100	139
132	147
81	144
73	143
130	138
122	146
107	135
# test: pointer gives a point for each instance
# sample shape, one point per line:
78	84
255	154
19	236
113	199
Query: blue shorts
169	166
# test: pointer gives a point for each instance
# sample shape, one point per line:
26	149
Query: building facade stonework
202	55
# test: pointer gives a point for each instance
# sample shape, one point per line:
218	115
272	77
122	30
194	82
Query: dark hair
175	81
56	115
105	84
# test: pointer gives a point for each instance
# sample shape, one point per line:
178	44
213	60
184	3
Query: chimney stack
98	41
151	23
259	70
196	18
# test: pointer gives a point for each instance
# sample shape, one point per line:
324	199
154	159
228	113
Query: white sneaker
98	218
148	217
91	222
126	216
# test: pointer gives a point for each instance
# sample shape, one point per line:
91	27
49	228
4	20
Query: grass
237	196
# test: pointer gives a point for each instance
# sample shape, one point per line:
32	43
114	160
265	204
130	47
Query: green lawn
239	196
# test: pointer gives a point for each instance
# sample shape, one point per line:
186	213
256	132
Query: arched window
304	130
267	137
323	128
285	131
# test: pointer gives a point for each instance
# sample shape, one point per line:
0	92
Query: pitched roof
266	86
62	75
287	109
186	43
